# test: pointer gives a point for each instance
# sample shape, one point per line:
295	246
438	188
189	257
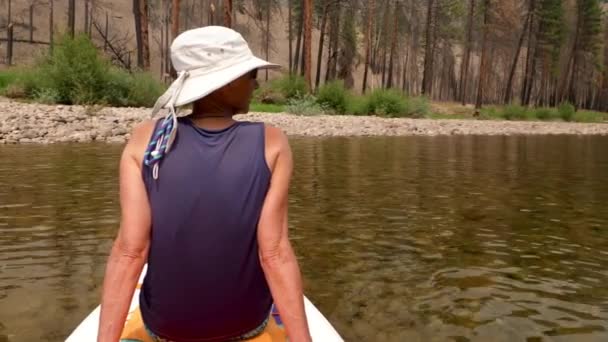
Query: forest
538	53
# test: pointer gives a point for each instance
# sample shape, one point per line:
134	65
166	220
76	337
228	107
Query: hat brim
199	86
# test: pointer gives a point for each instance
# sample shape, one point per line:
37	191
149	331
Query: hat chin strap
164	137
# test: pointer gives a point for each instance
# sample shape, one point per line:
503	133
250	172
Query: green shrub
21	82
8	76
589	116
490	113
306	105
566	111
545	113
143	90
333	96
292	86
266	107
357	105
76	74
387	102
46	95
418	107
279	91
15	91
266	94
515	112
76	71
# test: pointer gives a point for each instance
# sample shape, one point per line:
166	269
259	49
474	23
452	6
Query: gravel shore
37	123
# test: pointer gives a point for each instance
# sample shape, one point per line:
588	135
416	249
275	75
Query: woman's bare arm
130	250
276	253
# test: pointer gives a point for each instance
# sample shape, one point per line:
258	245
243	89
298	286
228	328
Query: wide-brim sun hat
206	59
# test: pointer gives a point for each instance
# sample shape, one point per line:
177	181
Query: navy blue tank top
204	280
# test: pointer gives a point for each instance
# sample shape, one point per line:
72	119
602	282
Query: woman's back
204	276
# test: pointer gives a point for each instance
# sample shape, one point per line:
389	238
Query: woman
204	203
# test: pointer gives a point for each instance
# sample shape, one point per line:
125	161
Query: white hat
206	59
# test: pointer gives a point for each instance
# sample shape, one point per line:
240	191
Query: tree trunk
389	82
162	49
31	23
296	60
228	13
308	43
330	47
138	35
405	67
71	17
603	105
466	60
175	11
167	60
290	34
384	41
9	46
144	31
105	41
509	90
86	17
427	79
333	63
321	44
267	43
483	65
51	28
368	41
530	59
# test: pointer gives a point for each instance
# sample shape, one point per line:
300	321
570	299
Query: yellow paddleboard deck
135	331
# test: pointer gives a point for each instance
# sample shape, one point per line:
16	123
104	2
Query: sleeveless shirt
204	280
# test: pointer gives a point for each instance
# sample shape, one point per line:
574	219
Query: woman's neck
209	109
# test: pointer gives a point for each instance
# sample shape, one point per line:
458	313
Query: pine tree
585	50
550	39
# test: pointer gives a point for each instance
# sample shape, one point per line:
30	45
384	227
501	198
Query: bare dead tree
117	45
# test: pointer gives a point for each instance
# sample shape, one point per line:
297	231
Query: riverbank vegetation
76	73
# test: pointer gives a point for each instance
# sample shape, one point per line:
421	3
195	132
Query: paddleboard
320	328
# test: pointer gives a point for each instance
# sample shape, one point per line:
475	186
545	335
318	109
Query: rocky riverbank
37	123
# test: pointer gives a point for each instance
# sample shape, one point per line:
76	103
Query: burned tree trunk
368	41
483	69
321	43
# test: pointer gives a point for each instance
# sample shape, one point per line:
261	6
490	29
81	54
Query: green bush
490	113
76	71
566	111
545	113
21	82
333	96
280	91
357	105
418	107
144	90
306	105
387	102
292	86
8	76
46	95
266	94
266	107
76	74
515	112
589	116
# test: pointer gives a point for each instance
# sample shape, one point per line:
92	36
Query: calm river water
399	239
